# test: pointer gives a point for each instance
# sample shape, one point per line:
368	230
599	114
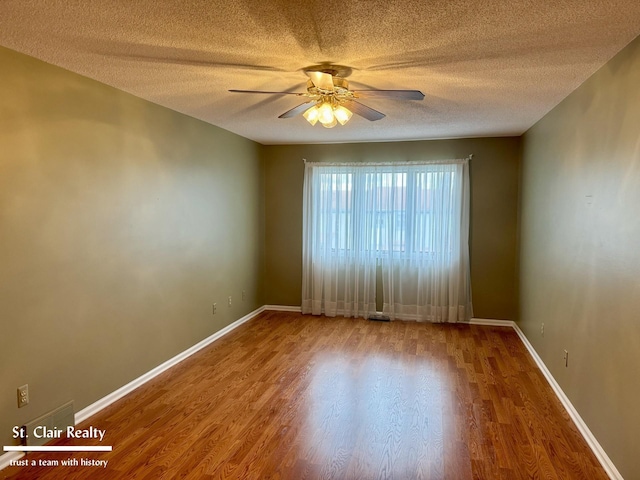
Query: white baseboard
7	458
595	446
104	402
282	308
490	322
474	321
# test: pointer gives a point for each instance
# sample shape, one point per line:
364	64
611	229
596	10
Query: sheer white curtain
427	278
412	218
338	254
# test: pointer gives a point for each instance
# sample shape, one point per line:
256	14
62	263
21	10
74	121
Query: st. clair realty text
43	432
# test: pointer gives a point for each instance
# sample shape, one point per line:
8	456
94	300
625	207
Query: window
411	219
383	209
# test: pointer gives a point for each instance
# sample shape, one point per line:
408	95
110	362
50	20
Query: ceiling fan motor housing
340	87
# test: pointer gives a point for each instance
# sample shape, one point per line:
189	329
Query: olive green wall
494	205
121	222
580	251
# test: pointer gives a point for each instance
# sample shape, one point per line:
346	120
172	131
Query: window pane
387	209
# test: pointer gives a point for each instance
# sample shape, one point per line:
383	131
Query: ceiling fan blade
364	111
269	93
322	80
296	110
395	94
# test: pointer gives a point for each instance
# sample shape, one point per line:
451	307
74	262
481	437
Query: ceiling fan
329	100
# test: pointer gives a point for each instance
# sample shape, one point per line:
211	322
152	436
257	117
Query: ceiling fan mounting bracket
341	71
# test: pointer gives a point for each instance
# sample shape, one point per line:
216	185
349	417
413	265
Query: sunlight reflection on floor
393	406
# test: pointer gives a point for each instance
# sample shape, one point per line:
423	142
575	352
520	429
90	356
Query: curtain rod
470	157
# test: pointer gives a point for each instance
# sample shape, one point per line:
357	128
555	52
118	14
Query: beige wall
120	223
580	251
494	203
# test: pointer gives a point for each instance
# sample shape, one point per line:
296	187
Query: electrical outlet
23	396
566	358
215	305
229	300
542	330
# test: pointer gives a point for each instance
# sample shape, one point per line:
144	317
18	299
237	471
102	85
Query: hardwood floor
287	396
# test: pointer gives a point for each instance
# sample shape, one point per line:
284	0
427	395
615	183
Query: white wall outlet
23	396
215	306
229	300
542	330
566	358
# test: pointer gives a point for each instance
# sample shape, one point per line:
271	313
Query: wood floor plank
287	396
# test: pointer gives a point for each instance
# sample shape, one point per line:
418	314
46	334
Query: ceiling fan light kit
333	101
328	112
311	115
342	114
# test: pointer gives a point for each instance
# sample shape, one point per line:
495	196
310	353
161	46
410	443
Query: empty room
322	240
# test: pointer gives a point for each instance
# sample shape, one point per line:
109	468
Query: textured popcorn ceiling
487	68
